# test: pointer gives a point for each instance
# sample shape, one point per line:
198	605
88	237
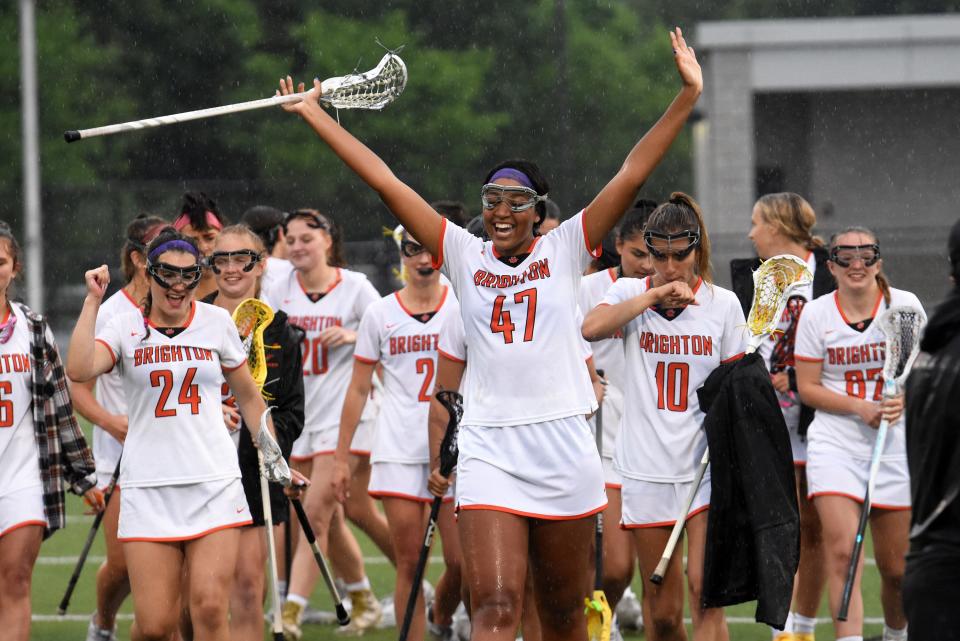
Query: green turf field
58	556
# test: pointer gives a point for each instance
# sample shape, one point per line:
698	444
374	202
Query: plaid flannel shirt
64	455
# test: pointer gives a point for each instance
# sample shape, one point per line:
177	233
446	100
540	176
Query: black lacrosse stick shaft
82	559
453	403
343	618
854	559
598	563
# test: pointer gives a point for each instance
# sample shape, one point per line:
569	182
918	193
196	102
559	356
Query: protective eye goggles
410	249
845	255
245	259
516	198
660	245
315	221
169	275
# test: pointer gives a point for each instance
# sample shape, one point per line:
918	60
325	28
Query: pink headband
184	220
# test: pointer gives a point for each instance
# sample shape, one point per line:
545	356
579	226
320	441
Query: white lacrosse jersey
19	455
275	270
852	364
607	356
326	370
173	389
521	326
452	343
669	355
109	388
789	403
405	345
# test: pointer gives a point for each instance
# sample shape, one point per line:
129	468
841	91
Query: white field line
72	618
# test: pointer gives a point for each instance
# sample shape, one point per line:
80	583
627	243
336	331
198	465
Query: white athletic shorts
611	477
318	442
547	470
21	508
181	512
836	473
402	481
650	504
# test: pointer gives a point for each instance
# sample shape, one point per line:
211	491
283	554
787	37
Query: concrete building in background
861	116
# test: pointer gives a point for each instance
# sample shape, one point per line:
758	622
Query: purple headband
181	245
513	174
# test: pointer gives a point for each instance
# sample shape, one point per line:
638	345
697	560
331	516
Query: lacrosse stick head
773	283
453	403
901	326
374	89
272	465
251	317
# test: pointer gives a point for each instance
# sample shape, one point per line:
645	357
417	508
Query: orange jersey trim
113	357
595	252
433	311
336	281
807	359
130	298
17	526
193	311
437	261
189	537
859	499
368	361
873	314
532	515
231	369
450	357
735	357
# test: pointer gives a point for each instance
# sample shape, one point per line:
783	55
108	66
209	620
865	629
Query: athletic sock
787	627
282	587
359	586
853	638
299	600
889	634
804	625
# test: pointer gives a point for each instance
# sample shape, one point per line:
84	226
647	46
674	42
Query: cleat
292	613
366	613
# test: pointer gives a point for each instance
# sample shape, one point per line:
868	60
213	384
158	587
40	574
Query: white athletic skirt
830	472
402	481
650	504
611	477
363	438
21	508
318	442
181	512
547	470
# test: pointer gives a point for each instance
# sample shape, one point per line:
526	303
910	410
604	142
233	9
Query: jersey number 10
672	383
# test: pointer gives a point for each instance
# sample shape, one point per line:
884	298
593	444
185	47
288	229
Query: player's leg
246	598
811	575
349	566
447	596
19	547
211	563
662	603
708	624
561	559
530	627
407	520
113	584
155	571
890	531
361	509
618	551
494	548
839	516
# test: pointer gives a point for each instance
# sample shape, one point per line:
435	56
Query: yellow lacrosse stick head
773	283
251	317
599	617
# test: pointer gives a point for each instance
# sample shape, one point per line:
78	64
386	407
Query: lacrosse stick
453	403
373	89
81	561
773	283
901	327
599	615
342	617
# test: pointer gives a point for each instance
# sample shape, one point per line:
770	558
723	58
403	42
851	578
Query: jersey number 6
501	322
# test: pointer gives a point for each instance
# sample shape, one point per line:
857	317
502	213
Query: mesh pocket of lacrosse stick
773	282
373	89
251	317
901	326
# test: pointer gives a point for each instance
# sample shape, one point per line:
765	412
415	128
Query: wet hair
792	216
537	179
166	234
195	206
452	210
636	219
140	231
882	282
679	214
265	222
13	247
315	220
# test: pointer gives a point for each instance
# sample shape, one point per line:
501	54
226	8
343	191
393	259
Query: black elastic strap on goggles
194	270
868	262
691	236
255	258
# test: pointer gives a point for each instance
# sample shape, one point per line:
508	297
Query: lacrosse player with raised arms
678	327
182	501
839	356
525	387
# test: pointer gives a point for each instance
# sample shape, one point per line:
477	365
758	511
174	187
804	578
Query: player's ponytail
679	214
792	216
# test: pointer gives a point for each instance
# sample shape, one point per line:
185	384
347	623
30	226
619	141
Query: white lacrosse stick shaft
271	550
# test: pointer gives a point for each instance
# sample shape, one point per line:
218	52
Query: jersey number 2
672	382
425	366
501	322
189	391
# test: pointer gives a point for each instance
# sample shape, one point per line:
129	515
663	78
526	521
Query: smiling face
234	257
171	306
857	277
510	231
307	246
